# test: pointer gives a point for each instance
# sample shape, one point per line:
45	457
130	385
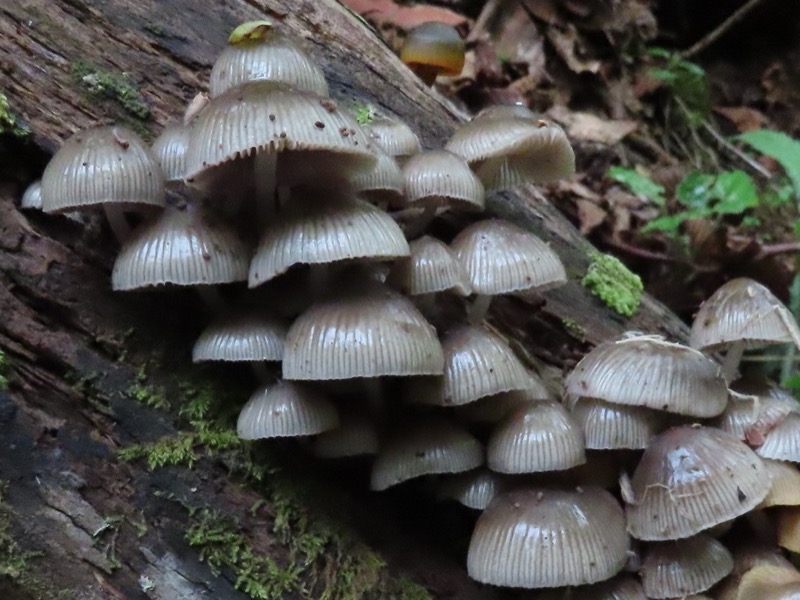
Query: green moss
9	122
3	371
614	284
118	87
364	113
573	328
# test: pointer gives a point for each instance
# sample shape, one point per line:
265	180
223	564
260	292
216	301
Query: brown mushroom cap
783	441
538	538
246	335
441	178
102	165
432	267
609	426
432	49
474	489
679	568
393	136
750	418
691	478
170	149
383	184
646	370
285	409
424	448
502	258
769	582
366	332
785	488
256	51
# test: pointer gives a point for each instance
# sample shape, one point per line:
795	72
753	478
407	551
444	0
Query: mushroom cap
383	183
32	197
246	335
609	426
785	488
788	526
424	448
440	178
183	246
537	538
783	441
745	311
264	116
646	370
538	437
170	149
497	407
393	136
434	45
678	568
691	478
474	489
368	332
432	267
102	165
319	230
356	435
750	418
256	51
502	258
285	409
770	582
509	146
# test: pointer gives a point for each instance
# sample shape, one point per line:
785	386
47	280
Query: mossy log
80	365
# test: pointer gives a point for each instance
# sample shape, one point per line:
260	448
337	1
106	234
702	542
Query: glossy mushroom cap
783	441
285	409
170	149
423	448
538	538
184	246
432	267
256	51
609	426
394	137
510	146
646	370
366	332
679	568
324	228
474	489
744	311
785	488
769	582
246	335
440	178
433	49
691	478
102	165
32	197
383	184
502	258
750	418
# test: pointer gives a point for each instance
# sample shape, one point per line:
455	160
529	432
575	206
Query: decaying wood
72	360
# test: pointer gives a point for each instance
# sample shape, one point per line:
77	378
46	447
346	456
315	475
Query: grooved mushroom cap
770	582
785	488
783	442
184	246
440	178
32	197
679	568
102	165
620	587
265	116
502	258
537	538
242	336
256	52
382	183
321	230
424	448
691	478
750	418
495	408
393	136
356	435
432	267
368	332
788	526
285	409
432	49
170	149
742	310
609	426
541	436
474	489
646	370
508	146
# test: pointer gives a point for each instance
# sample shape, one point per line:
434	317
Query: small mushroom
431	268
769	582
474	489
394	137
608	426
432	49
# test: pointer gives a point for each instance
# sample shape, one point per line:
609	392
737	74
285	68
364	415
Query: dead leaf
382	13
742	117
590	128
590	215
544	10
570	46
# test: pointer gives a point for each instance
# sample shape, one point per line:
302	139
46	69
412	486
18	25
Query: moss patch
10	123
3	371
611	281
365	113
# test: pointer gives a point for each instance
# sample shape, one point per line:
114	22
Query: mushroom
785	487
678	568
539	538
383	184
474	489
432	49
769	582
170	149
783	441
502	258
742	314
608	426
107	166
393	136
746	556
750	418
32	197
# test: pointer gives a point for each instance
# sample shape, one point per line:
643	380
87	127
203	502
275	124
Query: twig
637	251
721	29
773	249
490	9
756	166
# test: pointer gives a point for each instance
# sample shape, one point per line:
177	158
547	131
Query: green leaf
779	146
694	190
639	184
668	223
735	191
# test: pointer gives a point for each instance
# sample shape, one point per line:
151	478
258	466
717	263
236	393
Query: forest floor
685	119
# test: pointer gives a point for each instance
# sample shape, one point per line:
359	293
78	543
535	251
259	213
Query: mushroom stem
264	169
212	299
284	195
732	360
418	225
477	312
374	392
262	372
115	214
318	279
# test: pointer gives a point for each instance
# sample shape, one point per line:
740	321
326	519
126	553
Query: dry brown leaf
570	47
590	128
544	10
518	41
590	215
388	13
742	117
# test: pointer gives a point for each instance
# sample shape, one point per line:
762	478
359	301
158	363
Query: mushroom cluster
367	333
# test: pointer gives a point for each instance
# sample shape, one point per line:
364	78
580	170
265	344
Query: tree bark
74	352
